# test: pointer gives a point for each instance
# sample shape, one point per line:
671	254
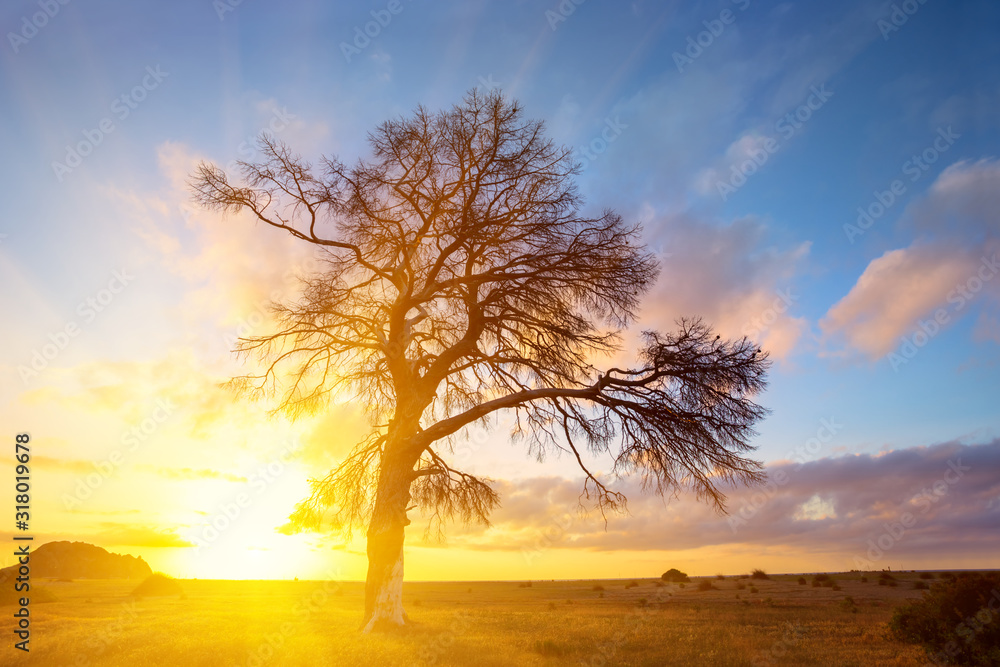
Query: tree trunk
384	585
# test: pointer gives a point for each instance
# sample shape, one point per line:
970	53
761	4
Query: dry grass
499	623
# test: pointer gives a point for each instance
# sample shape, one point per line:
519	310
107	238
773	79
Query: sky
822	177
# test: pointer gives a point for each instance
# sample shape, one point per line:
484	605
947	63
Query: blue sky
772	256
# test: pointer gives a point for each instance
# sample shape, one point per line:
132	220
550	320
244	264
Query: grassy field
216	623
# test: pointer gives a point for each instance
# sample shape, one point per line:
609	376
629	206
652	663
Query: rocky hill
79	560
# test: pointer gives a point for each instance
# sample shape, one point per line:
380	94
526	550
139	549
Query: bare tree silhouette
459	280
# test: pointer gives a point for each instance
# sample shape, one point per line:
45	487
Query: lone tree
460	279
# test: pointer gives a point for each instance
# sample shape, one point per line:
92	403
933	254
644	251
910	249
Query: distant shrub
632	584
720	577
598	587
829	583
848	604
816	584
954	621
740	585
759	574
886	576
643	602
524	584
658	584
920	585
802	581
768	602
835	587
864	580
681	585
157	584
893	583
882	582
675	576
552	606
753	589
821	577
705	585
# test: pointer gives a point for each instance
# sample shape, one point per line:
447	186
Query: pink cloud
893	293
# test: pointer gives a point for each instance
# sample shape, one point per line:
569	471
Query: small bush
926	575
705	585
950	621
802	581
893	583
759	574
740	585
720	577
864	580
753	589
886	576
524	584
768	602
658	584
643	602
598	587
632	584
674	575
827	584
821	577
552	606
848	604
882	582
920	585
835	587
681	585
816	584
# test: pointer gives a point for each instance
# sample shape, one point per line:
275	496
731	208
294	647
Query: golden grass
497	623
